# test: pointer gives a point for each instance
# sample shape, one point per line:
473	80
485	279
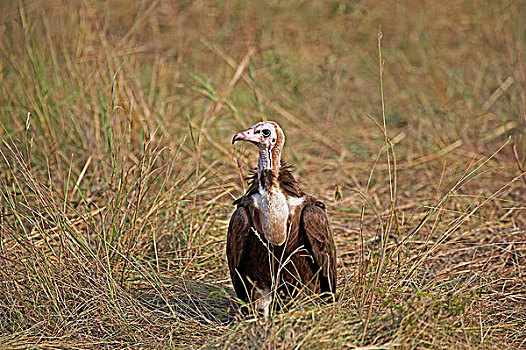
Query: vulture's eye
266	132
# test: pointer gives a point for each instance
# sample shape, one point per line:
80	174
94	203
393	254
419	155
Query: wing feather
315	224
237	237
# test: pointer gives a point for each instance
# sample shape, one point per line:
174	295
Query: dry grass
117	174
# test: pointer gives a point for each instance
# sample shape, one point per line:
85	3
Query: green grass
117	174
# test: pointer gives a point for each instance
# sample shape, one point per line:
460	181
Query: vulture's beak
247	135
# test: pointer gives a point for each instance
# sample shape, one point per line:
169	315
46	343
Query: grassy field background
117	174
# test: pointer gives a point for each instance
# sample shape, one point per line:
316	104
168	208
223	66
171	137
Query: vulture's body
278	237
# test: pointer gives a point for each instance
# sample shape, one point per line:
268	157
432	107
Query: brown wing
315	224
237	237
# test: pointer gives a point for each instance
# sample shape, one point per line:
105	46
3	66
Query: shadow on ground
200	301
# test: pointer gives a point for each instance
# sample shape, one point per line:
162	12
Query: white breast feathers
275	209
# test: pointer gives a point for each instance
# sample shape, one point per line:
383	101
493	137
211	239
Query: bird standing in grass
279	238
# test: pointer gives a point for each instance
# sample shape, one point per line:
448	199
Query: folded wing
315	225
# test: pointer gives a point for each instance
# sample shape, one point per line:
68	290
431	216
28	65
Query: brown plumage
278	237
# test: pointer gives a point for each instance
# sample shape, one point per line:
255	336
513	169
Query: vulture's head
266	135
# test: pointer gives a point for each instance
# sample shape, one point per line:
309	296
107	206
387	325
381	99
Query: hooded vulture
279	238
